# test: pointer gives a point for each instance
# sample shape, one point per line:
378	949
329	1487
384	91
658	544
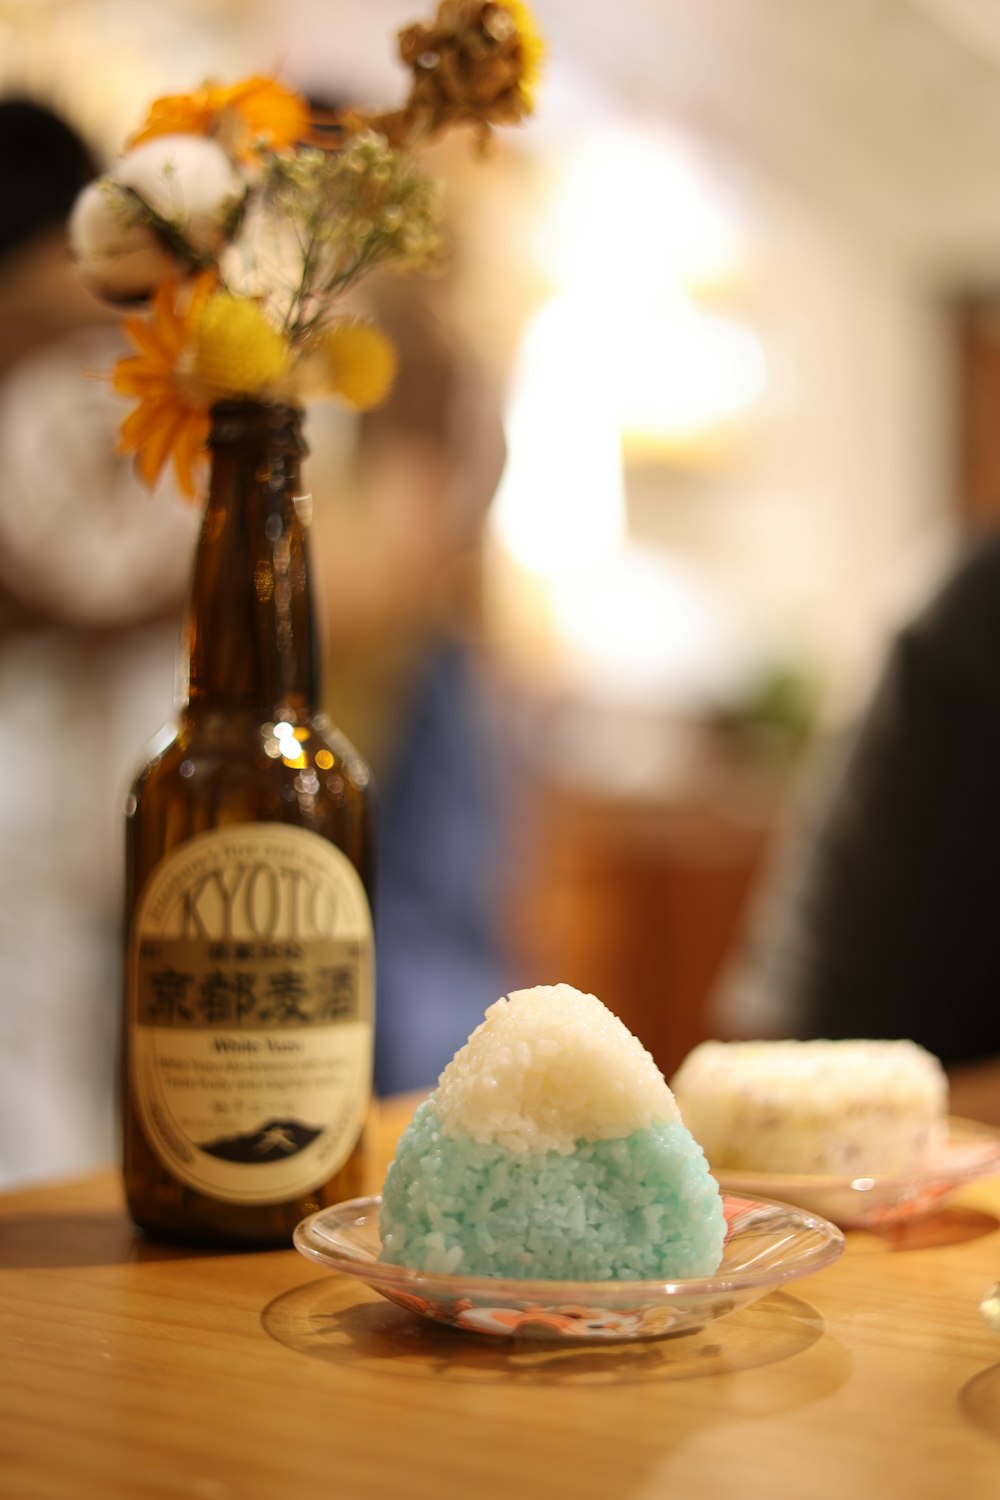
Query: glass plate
767	1244
970	1151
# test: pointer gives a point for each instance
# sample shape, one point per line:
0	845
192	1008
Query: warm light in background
634	216
627	357
684	373
561	504
624	350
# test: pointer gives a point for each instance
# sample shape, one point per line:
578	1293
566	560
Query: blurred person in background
92	574
882	918
401	494
400	497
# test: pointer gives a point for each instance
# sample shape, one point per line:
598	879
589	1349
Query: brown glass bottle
247	1038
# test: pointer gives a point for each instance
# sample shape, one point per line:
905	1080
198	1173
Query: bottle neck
250	636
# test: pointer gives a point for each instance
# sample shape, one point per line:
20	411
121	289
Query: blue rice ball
639	1208
552	1148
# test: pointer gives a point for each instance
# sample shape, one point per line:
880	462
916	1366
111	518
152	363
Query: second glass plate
862	1202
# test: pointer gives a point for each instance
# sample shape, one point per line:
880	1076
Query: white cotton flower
119	257
189	183
265	260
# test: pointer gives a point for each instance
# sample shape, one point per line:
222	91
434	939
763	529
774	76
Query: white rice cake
849	1107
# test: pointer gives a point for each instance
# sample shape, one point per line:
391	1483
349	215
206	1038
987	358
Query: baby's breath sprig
321	222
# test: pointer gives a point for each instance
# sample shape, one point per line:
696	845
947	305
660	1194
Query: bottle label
250	1002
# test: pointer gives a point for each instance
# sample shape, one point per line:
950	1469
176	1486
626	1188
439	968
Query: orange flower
170	420
246	116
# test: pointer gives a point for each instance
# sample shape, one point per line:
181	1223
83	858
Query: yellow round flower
235	350
360	363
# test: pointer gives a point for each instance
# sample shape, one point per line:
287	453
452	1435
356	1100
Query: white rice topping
548	1067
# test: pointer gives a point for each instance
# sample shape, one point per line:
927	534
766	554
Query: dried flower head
476	63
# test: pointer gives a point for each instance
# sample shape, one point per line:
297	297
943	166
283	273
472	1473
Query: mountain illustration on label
275	1141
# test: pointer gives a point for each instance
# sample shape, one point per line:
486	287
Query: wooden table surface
130	1370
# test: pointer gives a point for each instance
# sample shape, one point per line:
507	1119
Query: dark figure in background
45	165
890	924
441	903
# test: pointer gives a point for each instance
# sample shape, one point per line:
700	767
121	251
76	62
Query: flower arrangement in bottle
241	223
